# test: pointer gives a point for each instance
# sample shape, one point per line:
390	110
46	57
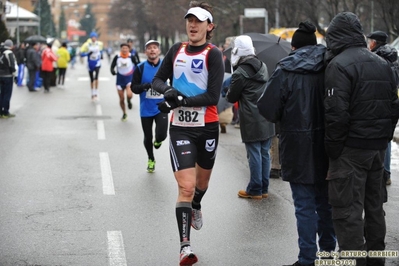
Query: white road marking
106	173
116	249
100	130
98	110
88	78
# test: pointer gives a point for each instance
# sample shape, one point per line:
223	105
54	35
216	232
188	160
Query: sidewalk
396	134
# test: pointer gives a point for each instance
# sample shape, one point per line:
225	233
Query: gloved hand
166	106
171	94
146	86
113	72
89	54
15	80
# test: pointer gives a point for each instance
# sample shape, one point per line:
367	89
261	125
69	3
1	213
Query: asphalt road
75	191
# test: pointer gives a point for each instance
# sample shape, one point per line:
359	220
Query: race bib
122	65
189	117
152	94
94	56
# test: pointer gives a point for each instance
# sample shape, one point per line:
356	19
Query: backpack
5	66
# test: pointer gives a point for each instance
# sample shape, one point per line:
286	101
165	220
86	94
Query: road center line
99	110
116	249
106	173
100	130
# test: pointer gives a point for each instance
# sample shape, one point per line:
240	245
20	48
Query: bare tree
163	20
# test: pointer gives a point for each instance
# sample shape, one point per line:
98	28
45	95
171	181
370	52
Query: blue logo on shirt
197	65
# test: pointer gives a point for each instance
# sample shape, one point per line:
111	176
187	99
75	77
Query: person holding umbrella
33	64
294	98
247	82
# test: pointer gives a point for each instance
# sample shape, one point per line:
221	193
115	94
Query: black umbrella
268	47
35	39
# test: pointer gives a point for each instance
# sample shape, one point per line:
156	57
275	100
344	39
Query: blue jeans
6	84
258	155
21	72
313	217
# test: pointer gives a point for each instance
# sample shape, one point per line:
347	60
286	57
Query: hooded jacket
391	55
247	85
360	91
294	99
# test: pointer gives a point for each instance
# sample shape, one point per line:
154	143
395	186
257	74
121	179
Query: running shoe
196	219
129	104
151	166
187	256
157	145
124	117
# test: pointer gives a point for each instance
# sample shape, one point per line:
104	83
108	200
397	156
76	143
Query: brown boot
223	128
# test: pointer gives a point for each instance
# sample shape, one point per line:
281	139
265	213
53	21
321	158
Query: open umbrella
35	39
269	48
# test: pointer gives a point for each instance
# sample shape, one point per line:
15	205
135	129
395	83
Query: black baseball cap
378	36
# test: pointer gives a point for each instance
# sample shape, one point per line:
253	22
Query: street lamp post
17	21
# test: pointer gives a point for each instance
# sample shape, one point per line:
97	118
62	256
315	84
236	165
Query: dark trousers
32	79
161	131
5	94
355	185
61	75
46	76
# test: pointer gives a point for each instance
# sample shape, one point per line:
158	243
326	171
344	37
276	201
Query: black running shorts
191	145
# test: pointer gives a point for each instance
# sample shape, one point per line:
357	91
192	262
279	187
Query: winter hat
8	44
93	34
242	46
304	35
378	36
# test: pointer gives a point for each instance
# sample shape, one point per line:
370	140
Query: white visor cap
200	13
151	42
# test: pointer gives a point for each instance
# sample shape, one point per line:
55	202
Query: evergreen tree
88	23
4	35
62	26
47	27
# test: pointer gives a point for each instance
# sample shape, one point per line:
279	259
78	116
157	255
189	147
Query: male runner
198	71
149	99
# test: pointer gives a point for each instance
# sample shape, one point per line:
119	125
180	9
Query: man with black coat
377	42
8	70
359	99
33	64
294	99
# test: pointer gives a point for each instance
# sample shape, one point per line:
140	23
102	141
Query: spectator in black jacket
377	42
33	64
359	99
8	69
294	99
20	56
